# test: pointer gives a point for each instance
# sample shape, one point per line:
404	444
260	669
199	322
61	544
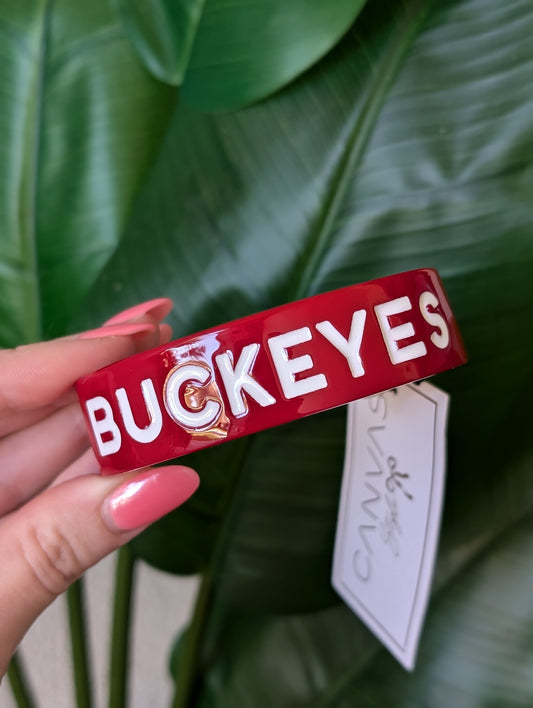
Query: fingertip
157	309
148	496
50	541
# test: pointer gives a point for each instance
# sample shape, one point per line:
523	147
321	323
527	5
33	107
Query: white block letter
191	419
104	425
440	339
348	347
287	368
393	335
152	430
238	379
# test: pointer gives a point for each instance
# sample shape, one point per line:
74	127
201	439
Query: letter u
152	430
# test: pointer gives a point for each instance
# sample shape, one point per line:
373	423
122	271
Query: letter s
440	339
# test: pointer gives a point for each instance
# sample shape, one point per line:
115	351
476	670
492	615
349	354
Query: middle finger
33	457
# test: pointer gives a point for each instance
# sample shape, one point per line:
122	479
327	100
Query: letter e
393	335
286	368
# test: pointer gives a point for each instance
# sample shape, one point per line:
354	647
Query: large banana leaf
241	213
228	54
476	649
80	122
410	145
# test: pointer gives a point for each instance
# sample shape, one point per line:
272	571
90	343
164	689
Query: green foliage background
236	156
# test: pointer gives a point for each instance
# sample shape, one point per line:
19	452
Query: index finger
35	376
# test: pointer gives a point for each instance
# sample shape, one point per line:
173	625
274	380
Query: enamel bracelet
269	368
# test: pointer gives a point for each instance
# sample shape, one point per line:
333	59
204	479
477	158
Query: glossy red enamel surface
376	371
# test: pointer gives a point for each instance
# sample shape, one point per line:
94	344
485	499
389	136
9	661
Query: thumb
48	543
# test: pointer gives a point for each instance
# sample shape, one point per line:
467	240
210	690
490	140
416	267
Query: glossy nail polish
149	496
158	309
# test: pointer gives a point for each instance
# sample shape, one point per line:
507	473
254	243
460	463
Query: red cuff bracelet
269	368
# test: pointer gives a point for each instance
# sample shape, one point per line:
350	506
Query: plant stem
120	639
186	675
78	641
19	684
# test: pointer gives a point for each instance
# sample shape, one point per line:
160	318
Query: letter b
103	425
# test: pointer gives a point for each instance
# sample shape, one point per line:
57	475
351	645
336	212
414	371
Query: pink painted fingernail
148	496
158	309
118	329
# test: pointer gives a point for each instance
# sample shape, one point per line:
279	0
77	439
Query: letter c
190	419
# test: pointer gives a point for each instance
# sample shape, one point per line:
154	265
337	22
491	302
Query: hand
58	516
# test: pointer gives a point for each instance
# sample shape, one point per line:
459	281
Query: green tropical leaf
80	122
229	54
162	32
409	145
246	50
476	648
379	177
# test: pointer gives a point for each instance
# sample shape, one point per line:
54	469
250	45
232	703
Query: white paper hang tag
390	510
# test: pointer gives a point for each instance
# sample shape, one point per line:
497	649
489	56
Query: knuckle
52	558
